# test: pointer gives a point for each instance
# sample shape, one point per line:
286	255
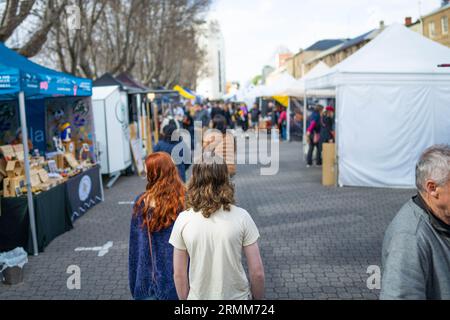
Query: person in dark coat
313	136
150	260
167	145
327	126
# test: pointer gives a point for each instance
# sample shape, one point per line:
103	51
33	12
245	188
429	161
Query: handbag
316	138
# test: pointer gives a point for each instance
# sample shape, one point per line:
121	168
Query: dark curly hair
210	189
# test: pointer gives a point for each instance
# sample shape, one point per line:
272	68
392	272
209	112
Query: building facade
296	65
212	82
435	25
342	51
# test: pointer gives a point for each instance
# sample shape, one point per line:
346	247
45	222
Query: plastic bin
12	276
11	266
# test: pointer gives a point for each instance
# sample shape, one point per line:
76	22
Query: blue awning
17	73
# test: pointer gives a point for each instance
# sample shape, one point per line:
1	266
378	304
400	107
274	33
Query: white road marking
125	203
102	251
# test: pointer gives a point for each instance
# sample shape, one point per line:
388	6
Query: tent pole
148	120
288	121
305	110
336	140
139	122
155	119
23	122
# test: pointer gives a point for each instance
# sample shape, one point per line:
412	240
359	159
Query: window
444	24
432	30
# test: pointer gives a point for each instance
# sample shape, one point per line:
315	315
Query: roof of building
325	44
442	8
347	44
131	82
109	80
358	40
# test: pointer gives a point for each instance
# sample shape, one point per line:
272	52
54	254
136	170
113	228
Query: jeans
283	133
311	151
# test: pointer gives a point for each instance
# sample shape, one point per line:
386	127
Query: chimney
382	25
444	2
408	21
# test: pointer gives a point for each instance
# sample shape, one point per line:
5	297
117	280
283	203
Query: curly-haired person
211	236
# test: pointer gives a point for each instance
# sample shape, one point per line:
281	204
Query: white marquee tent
392	103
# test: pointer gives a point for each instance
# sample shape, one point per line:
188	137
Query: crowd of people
237	116
187	240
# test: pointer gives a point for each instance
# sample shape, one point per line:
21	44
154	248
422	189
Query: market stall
392	103
47	151
133	110
112	130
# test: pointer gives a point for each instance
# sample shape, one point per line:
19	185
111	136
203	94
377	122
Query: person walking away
211	236
188	124
221	144
274	115
327	127
255	117
202	115
150	271
244	117
227	115
167	145
313	136
282	123
416	247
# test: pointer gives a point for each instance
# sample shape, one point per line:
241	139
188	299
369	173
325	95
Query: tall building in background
212	81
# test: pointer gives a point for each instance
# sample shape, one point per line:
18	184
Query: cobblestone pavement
316	242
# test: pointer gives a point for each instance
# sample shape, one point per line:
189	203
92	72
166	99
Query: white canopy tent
392	103
287	86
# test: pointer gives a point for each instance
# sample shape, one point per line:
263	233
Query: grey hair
434	164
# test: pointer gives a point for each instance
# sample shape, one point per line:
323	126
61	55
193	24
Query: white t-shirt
215	248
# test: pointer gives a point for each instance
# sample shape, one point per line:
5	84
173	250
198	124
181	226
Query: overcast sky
253	29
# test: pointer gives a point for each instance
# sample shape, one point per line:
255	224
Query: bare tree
156	41
16	12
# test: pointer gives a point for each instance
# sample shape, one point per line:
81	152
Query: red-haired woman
155	211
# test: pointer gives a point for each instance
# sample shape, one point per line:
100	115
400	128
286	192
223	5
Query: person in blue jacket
167	145
150	271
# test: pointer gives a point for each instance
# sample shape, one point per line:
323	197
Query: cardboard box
14	169
16	185
70	148
3	168
19	152
60	161
133	130
71	161
6	187
8	152
43	176
329	164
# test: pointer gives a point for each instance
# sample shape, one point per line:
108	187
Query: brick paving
316	242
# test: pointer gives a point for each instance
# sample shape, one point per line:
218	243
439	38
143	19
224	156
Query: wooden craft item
71	161
8	152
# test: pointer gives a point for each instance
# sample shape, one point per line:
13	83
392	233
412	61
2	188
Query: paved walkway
317	242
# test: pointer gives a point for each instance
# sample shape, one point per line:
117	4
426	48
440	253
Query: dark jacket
326	129
167	147
416	257
143	280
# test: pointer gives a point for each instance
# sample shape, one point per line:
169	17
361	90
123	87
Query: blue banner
36	124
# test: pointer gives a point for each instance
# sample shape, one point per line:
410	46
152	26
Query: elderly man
416	249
